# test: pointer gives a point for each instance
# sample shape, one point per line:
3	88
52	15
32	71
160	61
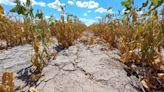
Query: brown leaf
36	46
161	76
1	10
2	88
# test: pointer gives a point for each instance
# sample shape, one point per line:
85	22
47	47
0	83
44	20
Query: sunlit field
134	27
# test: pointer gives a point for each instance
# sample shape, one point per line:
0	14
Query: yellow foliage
7	82
36	46
1	10
2	88
126	57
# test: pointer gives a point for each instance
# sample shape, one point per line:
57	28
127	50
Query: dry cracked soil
80	68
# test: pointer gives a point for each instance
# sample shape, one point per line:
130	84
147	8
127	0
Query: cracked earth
80	68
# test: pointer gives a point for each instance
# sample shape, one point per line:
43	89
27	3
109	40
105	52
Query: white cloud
56	5
70	2
47	17
82	4
87	21
11	2
7	2
85	14
102	10
98	17
91	4
89	11
42	4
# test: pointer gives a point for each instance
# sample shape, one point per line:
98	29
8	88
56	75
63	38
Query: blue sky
88	11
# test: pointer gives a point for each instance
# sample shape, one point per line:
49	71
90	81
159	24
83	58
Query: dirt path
80	68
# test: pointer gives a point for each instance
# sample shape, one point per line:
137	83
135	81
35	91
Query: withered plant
7	82
140	39
67	31
39	32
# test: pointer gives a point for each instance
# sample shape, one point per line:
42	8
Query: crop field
139	38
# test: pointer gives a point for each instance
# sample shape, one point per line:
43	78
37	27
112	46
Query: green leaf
128	7
139	9
31	12
28	3
39	14
131	1
17	2
127	13
109	8
146	14
15	9
22	10
52	20
124	3
145	3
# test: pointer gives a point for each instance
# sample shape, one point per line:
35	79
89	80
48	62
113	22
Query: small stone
77	61
69	67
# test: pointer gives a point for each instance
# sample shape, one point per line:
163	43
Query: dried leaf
2	88
161	76
144	84
32	89
36	46
1	10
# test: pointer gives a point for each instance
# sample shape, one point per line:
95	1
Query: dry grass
68	31
106	32
13	33
7	82
140	45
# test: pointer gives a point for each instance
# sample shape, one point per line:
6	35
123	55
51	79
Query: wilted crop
7	82
37	31
67	31
139	38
